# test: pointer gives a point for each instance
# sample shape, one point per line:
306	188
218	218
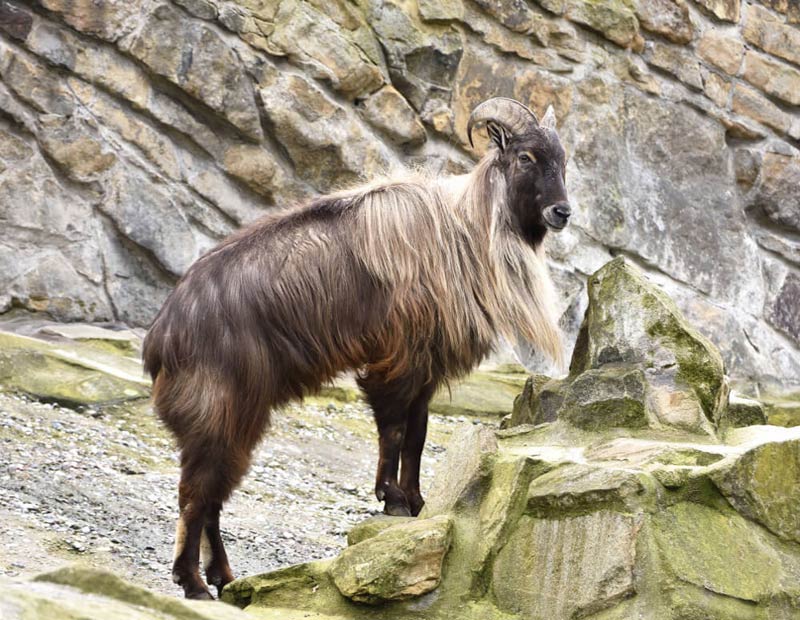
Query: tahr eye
526	157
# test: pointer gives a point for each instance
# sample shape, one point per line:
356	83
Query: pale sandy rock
717	88
752	104
615	20
677	61
312	39
197	60
106	19
773	77
669	18
325	141
787	7
726	10
721	50
74	144
389	112
765	30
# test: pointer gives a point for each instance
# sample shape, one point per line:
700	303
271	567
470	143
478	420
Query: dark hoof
219	578
201	595
397	510
416	506
219	584
193	587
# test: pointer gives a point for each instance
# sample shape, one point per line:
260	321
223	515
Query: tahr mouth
555	227
556	217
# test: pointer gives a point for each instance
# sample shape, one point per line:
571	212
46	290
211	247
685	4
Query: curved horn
509	113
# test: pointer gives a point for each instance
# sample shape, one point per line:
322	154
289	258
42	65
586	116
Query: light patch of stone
749	102
773	77
763	29
569	567
194	57
669	18
716	88
106	19
677	61
314	129
726	10
390	113
721	50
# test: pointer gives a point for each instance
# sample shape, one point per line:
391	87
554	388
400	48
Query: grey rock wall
135	134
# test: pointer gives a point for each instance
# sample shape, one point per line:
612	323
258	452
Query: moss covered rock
763	485
558	522
400	562
566	568
69	372
76	593
782	409
637	363
372	527
612	396
485	392
719	551
743	411
525	410
631	321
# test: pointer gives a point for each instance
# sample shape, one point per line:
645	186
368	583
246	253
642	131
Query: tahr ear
549	120
499	134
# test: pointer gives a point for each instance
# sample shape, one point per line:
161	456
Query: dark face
534	167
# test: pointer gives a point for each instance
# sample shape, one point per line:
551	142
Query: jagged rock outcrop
626	490
637	363
135	135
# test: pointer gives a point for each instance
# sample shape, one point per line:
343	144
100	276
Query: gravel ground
99	486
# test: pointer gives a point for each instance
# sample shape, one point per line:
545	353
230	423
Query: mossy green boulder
782	409
77	593
763	485
743	411
399	562
69	372
637	362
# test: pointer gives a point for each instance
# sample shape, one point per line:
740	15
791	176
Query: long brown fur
409	282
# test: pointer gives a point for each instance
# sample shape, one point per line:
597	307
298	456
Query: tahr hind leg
185	565
209	473
212	551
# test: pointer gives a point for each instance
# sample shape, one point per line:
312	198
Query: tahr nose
562	210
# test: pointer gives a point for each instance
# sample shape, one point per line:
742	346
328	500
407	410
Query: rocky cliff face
135	134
